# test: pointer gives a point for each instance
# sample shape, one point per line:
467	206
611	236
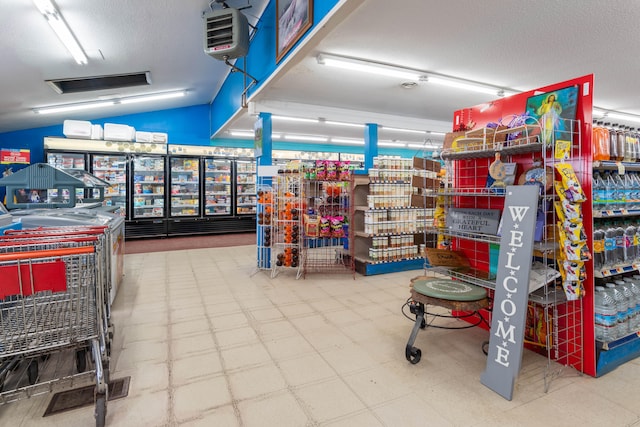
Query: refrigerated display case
148	187
246	193
113	169
185	187
217	187
69	161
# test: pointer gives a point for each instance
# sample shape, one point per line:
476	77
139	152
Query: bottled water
629	244
628	191
620	196
609	191
606	315
620	244
635	290
599	193
610	246
631	304
598	248
621	307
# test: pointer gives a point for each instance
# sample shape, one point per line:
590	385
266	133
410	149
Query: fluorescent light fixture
73	107
421	132
242	133
153	97
623	116
350	141
426	146
60	27
430	132
599	112
294	119
353	125
391	144
107	102
306	138
460	84
368	67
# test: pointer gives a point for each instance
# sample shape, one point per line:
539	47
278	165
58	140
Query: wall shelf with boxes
391	218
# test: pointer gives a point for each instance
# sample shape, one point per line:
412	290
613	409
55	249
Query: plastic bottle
620	243
631	305
610	253
598	248
613	141
629	148
600	142
635	290
621	143
628	191
620	192
631	249
599	192
609	186
606	315
621	307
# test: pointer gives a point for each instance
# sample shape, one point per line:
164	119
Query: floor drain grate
81	397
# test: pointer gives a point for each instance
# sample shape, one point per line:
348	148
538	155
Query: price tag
620	269
609	212
620	168
624	211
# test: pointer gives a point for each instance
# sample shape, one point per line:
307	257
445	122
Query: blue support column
370	145
267	143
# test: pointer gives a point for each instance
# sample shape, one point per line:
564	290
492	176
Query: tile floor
210	341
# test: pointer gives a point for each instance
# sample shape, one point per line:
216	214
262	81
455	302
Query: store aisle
210	341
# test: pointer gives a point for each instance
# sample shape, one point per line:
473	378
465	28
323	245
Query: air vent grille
219	31
109	82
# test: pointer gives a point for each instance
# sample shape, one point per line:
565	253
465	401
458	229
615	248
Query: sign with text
483	221
8	156
512	289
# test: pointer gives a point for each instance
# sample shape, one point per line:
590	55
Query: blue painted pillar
370	144
267	143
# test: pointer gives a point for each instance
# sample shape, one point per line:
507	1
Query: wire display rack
326	235
286	224
554	322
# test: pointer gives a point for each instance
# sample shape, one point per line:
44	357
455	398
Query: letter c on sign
504	284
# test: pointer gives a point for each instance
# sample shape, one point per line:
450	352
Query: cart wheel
101	409
423	324
412	354
81	360
32	371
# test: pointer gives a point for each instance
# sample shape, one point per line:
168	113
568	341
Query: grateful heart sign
512	289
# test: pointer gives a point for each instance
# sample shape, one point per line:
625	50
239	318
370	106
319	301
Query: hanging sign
8	156
512	289
484	221
257	139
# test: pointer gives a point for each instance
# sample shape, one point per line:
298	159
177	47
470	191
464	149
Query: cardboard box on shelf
423	201
425	183
426	164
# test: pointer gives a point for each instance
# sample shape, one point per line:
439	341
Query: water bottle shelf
610	345
614	271
615	213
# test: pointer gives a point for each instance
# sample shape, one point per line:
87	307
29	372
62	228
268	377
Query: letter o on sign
512	307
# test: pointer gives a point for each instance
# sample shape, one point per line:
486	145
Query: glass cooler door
112	169
148	187
217	187
246	187
185	187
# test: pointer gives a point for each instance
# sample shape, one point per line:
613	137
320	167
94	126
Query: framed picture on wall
293	19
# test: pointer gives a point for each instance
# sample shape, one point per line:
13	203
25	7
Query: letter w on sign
512	290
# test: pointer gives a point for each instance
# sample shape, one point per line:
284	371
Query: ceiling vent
110	82
226	34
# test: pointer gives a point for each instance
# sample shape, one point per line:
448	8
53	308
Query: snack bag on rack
576	251
336	226
321	170
311	225
324	227
570	184
331	170
574	271
574	231
573	290
345	171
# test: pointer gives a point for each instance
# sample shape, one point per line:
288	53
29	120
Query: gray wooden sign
483	221
512	289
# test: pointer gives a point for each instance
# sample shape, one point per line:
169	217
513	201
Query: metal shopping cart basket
51	301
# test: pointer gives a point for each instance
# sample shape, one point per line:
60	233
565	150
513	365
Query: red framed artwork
293	19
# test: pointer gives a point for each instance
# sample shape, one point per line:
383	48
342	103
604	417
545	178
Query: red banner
8	156
48	276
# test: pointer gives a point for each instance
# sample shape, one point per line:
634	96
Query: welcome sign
512	290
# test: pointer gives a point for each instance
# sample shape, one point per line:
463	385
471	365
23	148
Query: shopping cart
52	301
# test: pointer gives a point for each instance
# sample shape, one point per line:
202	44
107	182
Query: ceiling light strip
410	74
109	102
62	30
